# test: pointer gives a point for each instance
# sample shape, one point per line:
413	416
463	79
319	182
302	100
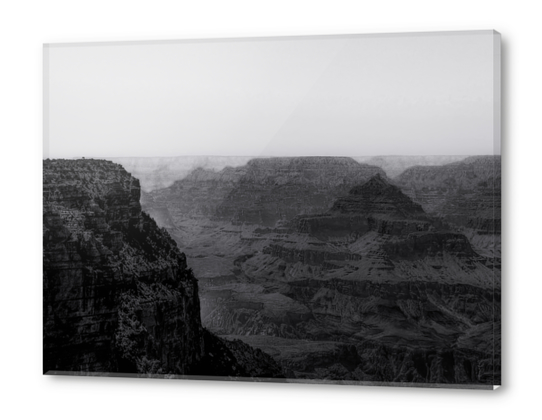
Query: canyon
290	269
340	272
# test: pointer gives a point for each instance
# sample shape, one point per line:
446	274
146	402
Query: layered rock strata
374	289
342	276
262	192
118	295
466	193
373	205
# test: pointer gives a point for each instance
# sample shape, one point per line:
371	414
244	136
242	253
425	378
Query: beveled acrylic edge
488	387
268	38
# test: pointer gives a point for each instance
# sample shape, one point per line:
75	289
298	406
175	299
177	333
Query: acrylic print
300	209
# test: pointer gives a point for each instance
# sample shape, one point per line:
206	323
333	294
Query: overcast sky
416	94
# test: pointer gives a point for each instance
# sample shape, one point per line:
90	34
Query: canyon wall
118	295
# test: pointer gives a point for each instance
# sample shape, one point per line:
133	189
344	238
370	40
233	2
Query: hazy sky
415	94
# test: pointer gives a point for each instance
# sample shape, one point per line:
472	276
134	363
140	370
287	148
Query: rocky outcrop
374	205
422	244
466	193
118	295
278	189
312	256
405	332
376	363
378	197
155	173
264	191
198	194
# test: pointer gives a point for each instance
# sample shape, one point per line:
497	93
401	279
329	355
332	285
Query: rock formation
338	273
262	192
118	295
155	173
466	194
198	194
278	189
373	205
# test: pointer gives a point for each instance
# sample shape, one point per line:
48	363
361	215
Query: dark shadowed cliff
118	295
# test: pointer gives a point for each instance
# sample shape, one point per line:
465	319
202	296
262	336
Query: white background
26	25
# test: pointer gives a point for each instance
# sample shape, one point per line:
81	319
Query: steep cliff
118	295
